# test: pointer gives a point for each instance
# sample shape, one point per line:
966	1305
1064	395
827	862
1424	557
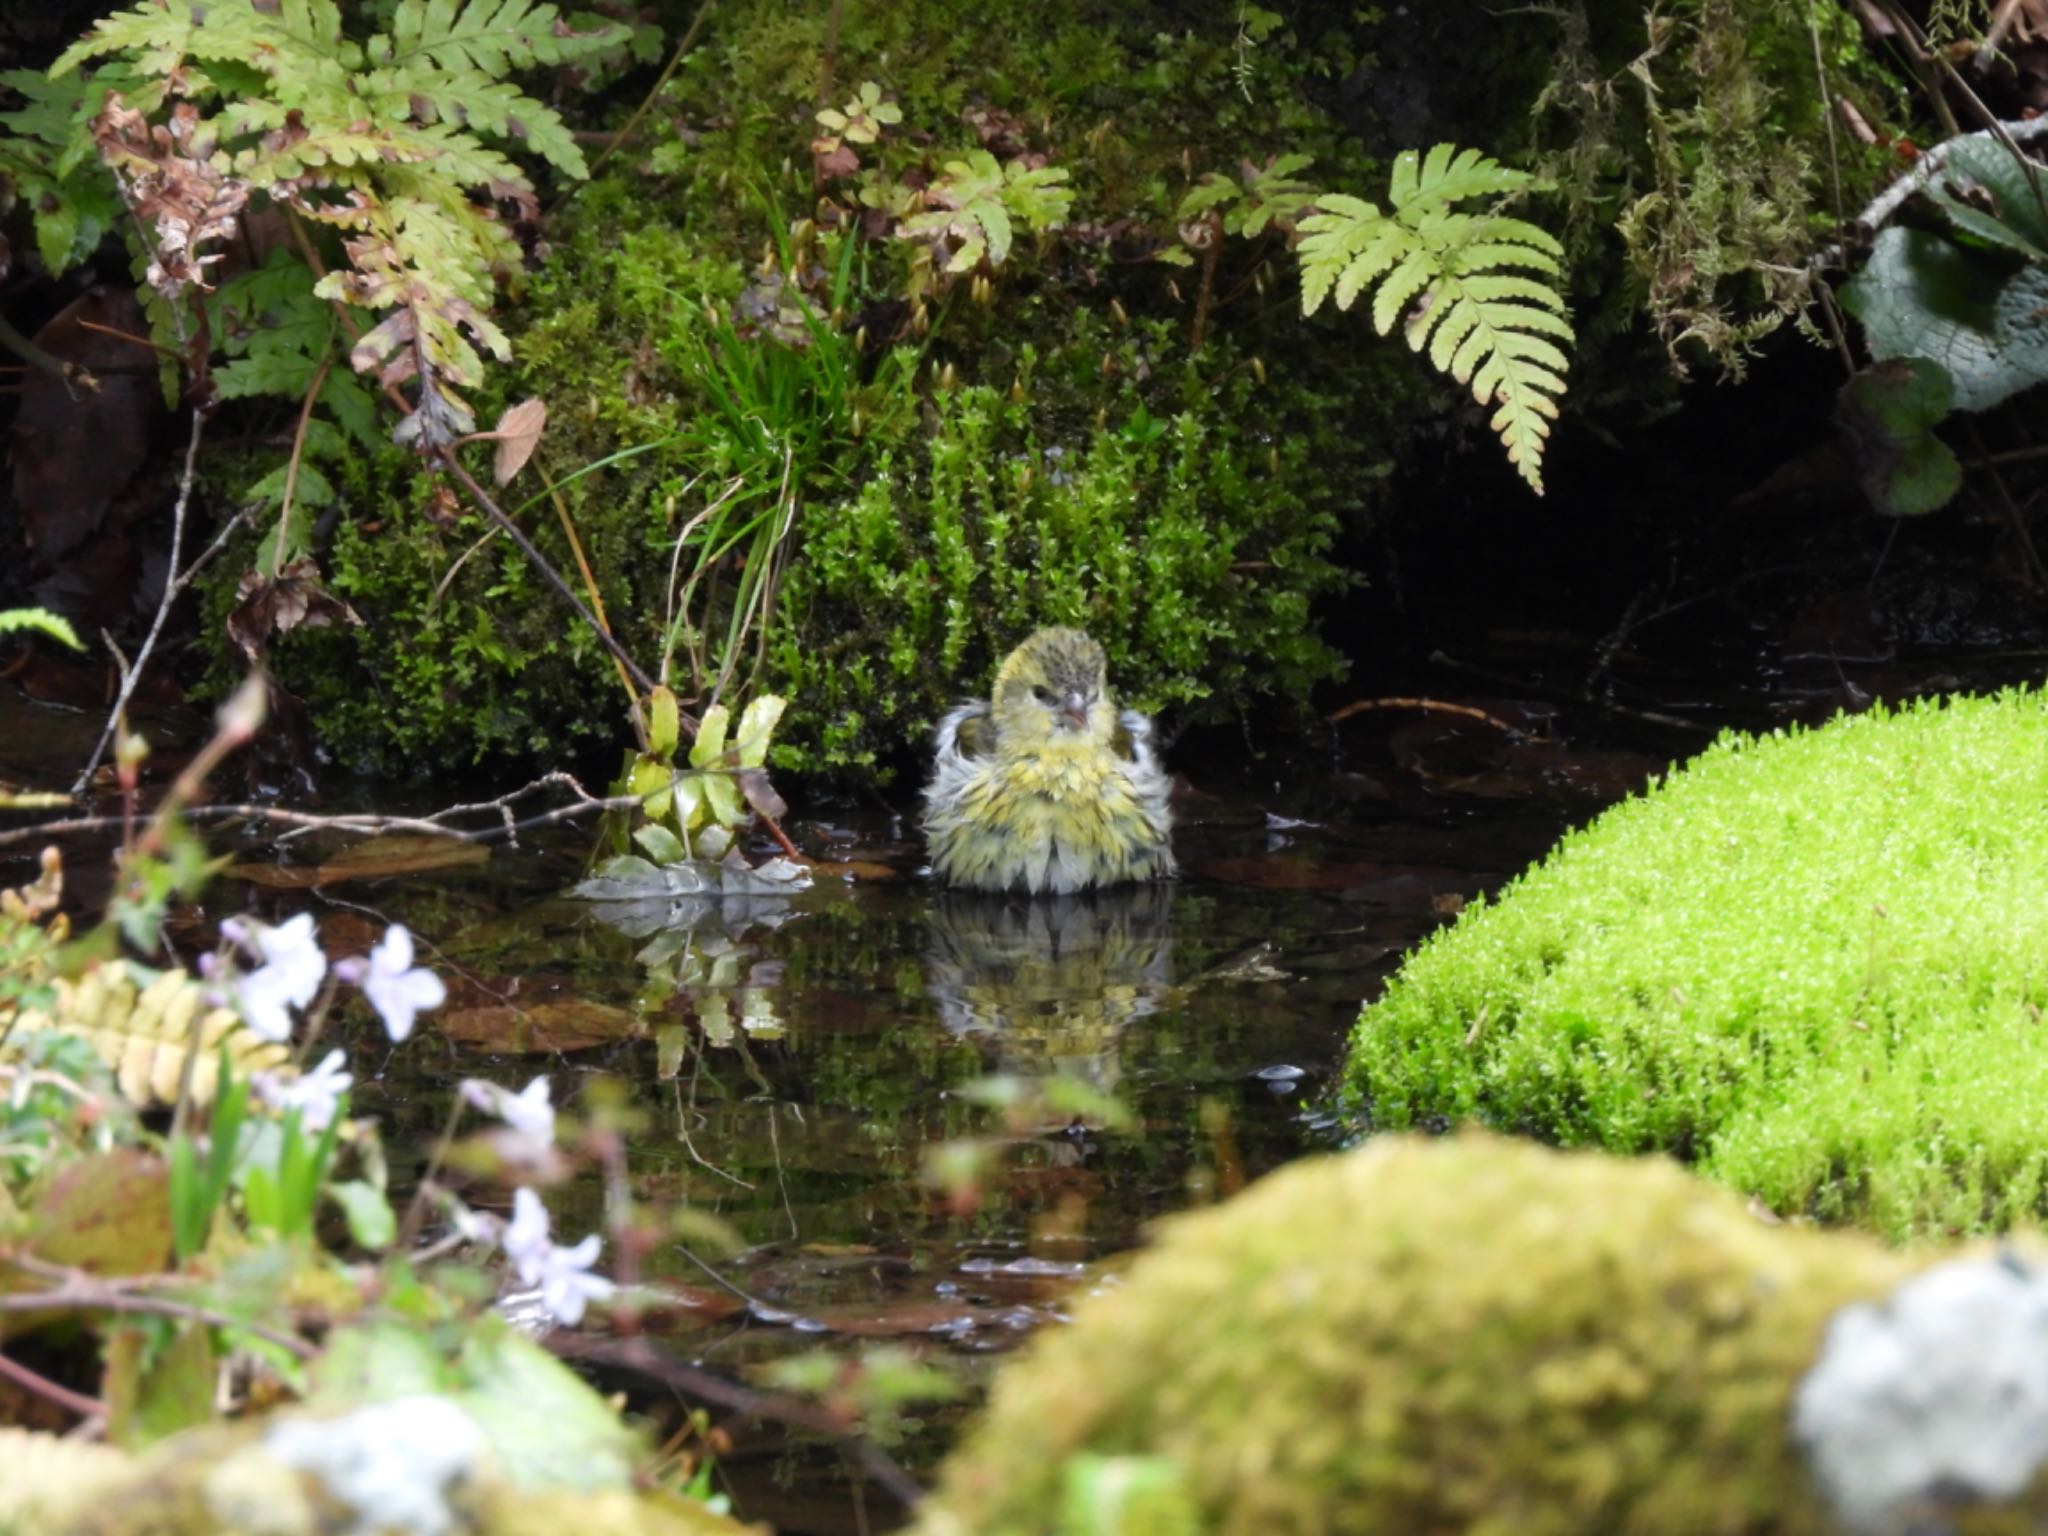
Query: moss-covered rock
1813	963
1468	1334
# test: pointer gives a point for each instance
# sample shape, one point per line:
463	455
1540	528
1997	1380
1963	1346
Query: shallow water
794	1067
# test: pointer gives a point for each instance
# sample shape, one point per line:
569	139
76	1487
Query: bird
1046	786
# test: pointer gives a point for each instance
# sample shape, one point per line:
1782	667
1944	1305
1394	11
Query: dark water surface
797	1067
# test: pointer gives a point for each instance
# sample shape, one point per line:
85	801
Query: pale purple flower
563	1274
526	1236
529	1112
398	991
316	1095
566	1284
289	977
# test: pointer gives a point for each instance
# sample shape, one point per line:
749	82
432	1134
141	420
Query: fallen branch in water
506	828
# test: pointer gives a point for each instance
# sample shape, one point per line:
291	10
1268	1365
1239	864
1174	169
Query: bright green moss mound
1458	1335
1814	964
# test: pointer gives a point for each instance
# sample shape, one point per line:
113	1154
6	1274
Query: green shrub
1187	545
1812	963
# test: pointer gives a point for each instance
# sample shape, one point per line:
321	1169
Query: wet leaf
403	853
628	878
518	434
659	844
571	1025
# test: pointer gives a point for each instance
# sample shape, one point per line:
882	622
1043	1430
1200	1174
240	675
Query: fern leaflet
1500	332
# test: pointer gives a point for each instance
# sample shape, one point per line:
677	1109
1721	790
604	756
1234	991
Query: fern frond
1464	277
41	620
142	1027
488	38
1450	175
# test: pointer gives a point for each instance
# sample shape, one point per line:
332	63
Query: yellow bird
1046	786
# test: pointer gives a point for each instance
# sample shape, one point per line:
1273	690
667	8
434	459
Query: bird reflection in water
1051	983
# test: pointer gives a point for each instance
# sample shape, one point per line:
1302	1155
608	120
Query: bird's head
1055	688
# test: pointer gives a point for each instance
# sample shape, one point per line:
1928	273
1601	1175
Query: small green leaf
664	724
43	622
709	747
757	725
370	1219
658	843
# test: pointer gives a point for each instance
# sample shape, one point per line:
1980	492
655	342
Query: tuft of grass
1813	963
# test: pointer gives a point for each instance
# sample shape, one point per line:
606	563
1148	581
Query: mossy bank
1814	964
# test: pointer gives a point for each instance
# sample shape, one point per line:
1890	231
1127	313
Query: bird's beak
1075	710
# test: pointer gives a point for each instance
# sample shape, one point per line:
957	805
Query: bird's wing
1133	740
968	731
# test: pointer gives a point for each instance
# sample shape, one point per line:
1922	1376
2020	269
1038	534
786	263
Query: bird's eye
1043	695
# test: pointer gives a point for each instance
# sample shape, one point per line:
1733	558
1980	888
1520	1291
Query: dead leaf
400	854
761	794
267	605
574	1025
406	853
177	184
518	434
108	1214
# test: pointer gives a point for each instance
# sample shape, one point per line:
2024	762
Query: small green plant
1952	315
200	1180
1484	325
692	813
974	207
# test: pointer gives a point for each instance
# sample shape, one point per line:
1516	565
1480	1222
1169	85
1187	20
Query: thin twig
291	468
625	134
80	1292
1437	706
303	822
1922	175
41	1385
553	577
131	677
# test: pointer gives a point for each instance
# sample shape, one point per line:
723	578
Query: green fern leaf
487	38
1476	312
43	622
1451	175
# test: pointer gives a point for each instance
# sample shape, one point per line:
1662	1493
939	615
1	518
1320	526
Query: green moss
1813	963
1467	1335
1054	453
1190	547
